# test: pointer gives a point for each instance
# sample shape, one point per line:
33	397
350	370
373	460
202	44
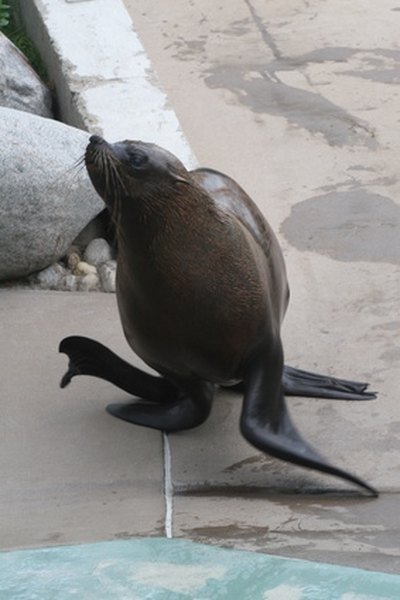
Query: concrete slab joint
168	488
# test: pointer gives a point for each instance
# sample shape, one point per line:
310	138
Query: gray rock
107	273
98	252
20	86
44	200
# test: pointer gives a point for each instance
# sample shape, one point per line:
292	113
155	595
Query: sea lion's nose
96	140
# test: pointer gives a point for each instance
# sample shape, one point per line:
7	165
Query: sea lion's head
131	171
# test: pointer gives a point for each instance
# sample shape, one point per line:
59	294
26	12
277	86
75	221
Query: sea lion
201	291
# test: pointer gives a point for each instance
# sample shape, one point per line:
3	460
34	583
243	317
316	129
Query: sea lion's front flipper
88	357
190	410
297	382
265	421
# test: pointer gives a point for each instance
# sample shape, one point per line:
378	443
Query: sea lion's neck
159	224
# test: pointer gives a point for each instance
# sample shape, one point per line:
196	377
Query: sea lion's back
230	198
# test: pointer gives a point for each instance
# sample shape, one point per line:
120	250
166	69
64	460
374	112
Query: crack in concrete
266	36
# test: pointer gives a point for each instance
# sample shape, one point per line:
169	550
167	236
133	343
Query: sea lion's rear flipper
266	424
190	410
88	357
297	382
177	408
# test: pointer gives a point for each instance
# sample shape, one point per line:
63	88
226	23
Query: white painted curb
104	80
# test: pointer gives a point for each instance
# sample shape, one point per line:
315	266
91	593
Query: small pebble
89	283
72	260
107	273
70	283
49	278
83	268
98	252
77	274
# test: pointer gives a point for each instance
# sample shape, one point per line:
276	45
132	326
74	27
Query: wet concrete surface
338	529
227	493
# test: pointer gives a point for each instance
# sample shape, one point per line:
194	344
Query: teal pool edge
159	568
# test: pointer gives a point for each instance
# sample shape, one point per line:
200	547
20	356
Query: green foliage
5	14
23	43
11	25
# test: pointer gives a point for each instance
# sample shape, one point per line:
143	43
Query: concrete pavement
298	102
70	473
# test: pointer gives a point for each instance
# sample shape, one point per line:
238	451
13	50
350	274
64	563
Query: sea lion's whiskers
76	167
113	164
80	161
118	196
69	176
115	190
114	186
111	189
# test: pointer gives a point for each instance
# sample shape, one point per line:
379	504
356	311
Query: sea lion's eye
138	160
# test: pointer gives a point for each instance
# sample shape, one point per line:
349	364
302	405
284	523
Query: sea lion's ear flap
177	177
180	179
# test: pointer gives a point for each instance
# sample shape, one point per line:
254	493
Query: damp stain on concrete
257	84
389	76
391	354
347	226
368	57
262	92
